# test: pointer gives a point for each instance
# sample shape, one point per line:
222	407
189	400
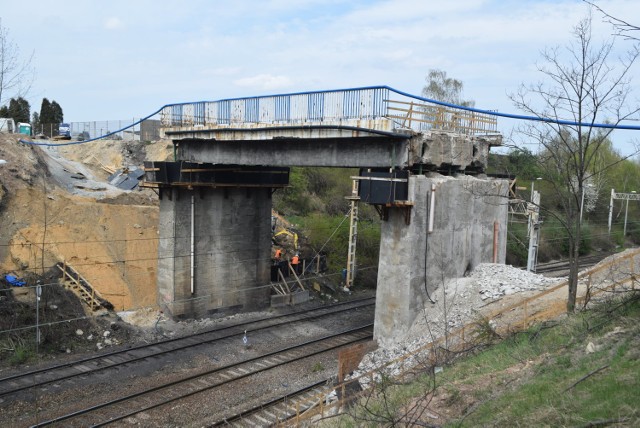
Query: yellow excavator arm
292	234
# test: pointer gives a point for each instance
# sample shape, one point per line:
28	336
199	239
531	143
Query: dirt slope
109	236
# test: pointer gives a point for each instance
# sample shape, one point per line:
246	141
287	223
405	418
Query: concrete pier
214	250
416	258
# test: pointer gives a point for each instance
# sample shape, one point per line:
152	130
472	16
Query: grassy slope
544	376
536	377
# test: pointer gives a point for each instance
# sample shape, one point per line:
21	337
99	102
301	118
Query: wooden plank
295	275
284	281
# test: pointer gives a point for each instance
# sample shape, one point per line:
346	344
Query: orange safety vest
278	254
294	260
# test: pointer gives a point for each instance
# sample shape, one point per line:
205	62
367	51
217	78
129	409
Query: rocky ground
475	299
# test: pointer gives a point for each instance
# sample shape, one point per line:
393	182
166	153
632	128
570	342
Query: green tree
50	117
19	110
588	88
35	122
56	110
46	118
518	161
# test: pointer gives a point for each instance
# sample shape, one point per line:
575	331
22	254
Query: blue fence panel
351	105
251	110
380	97
199	117
224	112
282	111
176	115
315	106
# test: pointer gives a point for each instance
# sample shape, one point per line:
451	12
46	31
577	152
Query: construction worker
295	263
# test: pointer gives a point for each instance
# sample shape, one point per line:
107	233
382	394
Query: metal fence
380	102
129	130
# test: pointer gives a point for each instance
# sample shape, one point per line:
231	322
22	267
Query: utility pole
613	194
353	235
534	228
626	211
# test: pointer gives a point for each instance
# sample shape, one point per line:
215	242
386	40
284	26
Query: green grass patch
565	384
572	372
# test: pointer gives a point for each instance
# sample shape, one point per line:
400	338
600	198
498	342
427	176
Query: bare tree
16	75
622	27
583	86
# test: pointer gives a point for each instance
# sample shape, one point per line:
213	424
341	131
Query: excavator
293	235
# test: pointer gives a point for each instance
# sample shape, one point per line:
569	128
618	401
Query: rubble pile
495	280
455	304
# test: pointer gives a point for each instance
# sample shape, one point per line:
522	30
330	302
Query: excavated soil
60	196
57	206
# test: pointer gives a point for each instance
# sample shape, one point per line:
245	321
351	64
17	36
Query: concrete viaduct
421	164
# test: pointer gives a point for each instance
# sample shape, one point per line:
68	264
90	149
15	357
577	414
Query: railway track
18	385
215	382
562	266
279	409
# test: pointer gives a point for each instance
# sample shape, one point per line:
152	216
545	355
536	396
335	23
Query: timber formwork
191	174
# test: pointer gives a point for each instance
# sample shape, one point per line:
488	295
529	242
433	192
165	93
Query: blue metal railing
377	102
360	103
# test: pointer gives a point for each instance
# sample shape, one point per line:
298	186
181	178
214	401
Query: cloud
113	23
264	82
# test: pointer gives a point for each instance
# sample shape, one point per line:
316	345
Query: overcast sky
124	59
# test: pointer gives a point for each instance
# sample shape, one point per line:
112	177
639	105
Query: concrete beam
432	149
363	152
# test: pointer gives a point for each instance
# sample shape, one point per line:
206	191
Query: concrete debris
79	332
496	280
451	306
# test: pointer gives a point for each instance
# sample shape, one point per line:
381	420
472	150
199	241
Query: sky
116	60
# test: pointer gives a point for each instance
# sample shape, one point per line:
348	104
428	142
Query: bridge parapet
377	108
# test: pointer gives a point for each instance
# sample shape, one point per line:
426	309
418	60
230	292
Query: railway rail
211	382
18	385
562	266
279	409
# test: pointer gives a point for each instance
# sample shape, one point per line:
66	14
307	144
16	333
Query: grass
544	376
21	355
563	385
